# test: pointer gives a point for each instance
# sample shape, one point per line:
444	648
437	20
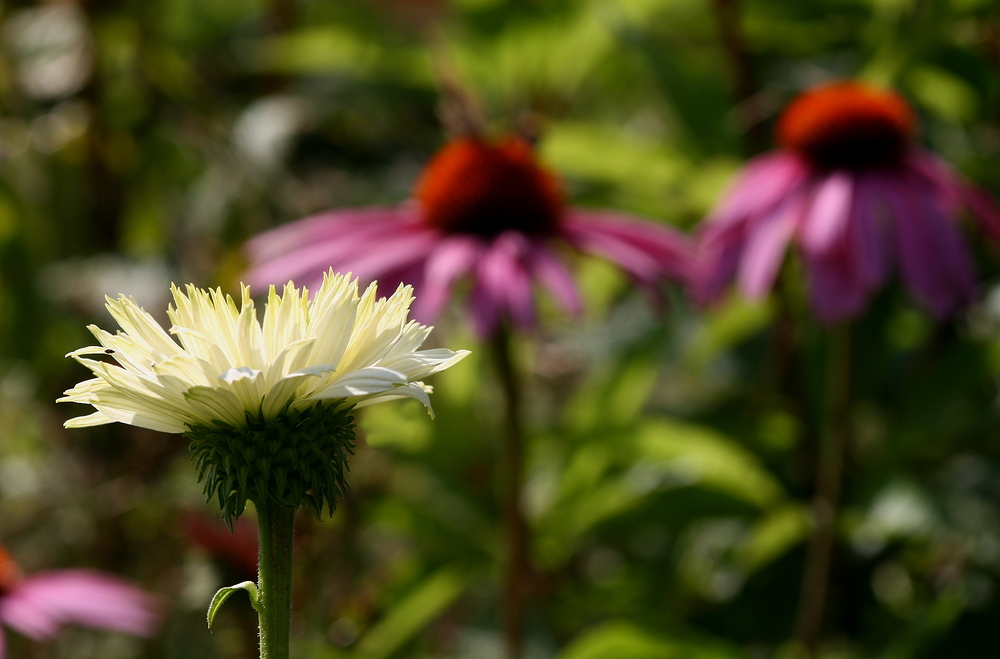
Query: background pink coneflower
851	189
486	211
39	605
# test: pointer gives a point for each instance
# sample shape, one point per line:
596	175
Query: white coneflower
261	402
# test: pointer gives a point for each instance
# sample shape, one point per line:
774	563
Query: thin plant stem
727	16
516	563
274	578
834	438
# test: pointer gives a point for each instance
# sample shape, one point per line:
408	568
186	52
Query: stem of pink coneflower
727	16
833	441
517	566
276	526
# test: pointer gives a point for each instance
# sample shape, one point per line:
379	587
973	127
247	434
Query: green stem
276	526
829	480
517	570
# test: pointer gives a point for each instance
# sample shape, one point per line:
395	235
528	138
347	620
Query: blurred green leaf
623	640
422	605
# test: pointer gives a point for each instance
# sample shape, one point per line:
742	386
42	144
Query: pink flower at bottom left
40	605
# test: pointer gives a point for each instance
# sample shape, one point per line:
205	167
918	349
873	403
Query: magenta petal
670	250
765	247
277	242
835	292
485	311
717	264
933	256
43	602
984	208
869	249
453	257
550	271
505	279
589	237
302	251
826	219
406	246
762	184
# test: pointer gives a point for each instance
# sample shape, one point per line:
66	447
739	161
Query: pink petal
550	271
984	207
932	254
765	246
486	312
718	261
42	603
504	278
407	246
826	219
868	247
672	251
302	251
835	291
943	182
762	184
279	241
453	257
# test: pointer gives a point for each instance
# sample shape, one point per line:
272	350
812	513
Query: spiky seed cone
297	459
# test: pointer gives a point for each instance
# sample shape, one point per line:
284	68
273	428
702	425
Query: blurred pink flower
857	196
39	605
486	211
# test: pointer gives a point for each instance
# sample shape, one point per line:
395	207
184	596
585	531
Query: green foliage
671	453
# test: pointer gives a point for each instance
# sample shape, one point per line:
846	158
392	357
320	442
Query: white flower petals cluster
338	345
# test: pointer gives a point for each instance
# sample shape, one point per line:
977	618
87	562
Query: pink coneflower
857	196
39	605
483	211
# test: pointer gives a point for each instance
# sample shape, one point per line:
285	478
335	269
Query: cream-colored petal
95	419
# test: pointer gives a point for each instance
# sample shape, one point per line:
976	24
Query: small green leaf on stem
223	594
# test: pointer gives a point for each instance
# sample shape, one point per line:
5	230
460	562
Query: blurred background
671	450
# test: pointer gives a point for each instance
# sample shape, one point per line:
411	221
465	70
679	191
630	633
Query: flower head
858	197
483	211
266	405
227	366
39	605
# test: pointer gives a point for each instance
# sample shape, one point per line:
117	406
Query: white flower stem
276	526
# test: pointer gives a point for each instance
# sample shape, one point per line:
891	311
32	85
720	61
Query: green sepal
297	459
223	594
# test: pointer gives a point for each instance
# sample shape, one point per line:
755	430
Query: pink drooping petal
301	251
835	290
938	177
933	257
718	262
504	278
400	250
277	242
670	250
42	603
762	184
765	246
544	266
868	247
826	219
485	309
984	207
453	257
